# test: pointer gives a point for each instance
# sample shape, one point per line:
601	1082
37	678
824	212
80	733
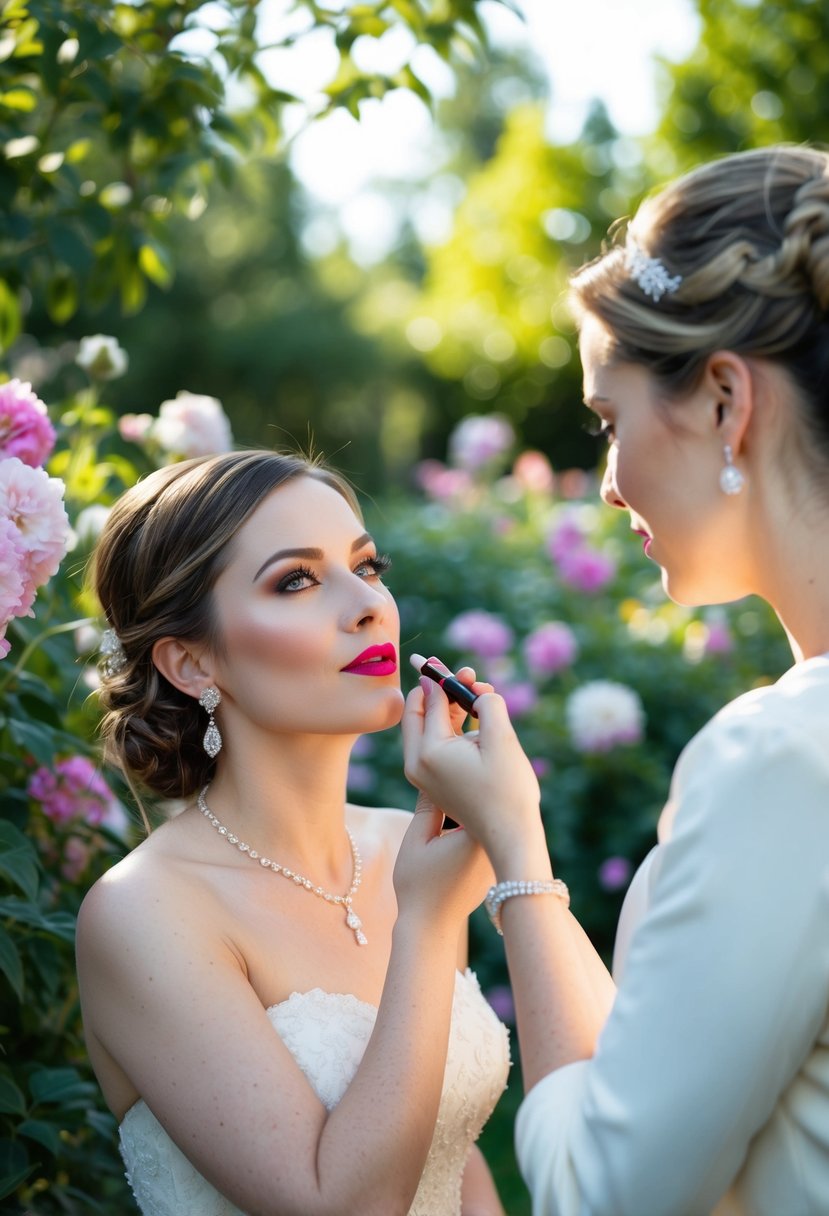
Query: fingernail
427	685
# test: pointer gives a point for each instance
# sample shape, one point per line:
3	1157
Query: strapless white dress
327	1034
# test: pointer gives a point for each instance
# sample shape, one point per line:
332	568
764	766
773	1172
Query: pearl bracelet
503	891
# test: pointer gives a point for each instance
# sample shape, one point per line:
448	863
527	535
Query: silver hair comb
650	273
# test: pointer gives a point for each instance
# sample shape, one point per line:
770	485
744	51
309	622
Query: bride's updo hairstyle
164	545
749	236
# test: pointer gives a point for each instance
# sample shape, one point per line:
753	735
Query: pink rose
480	440
25	429
192	425
33	502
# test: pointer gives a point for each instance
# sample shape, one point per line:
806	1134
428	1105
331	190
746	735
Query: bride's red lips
374	661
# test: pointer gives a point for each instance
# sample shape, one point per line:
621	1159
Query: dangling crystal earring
731	479
212	742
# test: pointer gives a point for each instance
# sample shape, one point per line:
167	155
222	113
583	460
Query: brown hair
164	545
749	234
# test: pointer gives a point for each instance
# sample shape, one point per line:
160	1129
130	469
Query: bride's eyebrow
314	555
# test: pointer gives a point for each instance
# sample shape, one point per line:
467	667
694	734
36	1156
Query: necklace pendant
356	925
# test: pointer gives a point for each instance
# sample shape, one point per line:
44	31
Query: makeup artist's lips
648	539
375	661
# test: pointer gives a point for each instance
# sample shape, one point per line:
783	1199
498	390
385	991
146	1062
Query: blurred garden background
345	226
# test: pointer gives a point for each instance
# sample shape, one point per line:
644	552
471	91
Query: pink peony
550	648
135	428
440	482
25	429
520	698
566	537
587	569
33	502
192	425
482	633
534	473
74	789
480	440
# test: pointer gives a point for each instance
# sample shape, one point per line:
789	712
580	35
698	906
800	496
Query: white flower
602	714
193	425
90	522
102	357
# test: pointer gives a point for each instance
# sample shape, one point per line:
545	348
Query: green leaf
14	1166
59	924
156	265
62	297
20	99
41	1131
12	1101
18	860
33	738
62	1085
9	316
10	963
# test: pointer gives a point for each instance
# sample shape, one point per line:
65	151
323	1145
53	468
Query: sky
589	48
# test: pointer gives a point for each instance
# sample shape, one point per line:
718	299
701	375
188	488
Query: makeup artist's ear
183	664
730	396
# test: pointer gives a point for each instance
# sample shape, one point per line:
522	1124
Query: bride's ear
183	664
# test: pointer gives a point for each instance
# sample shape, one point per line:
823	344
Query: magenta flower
587	569
718	638
25	429
550	648
614	873
520	697
566	537
501	1001
480	632
73	789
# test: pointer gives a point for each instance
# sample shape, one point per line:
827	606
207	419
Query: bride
270	981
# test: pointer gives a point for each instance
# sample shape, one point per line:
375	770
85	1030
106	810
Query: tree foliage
110	127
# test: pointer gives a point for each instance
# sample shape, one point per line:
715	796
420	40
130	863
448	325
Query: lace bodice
327	1033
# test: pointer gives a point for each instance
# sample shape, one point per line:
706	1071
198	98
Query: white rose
102	357
602	714
193	425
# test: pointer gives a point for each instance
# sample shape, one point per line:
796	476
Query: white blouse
709	1089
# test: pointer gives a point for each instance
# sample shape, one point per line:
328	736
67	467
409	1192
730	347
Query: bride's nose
609	491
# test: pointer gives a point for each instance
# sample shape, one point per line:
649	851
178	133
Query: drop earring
212	742
731	479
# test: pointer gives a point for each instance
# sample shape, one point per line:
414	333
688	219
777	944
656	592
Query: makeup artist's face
663	468
300	600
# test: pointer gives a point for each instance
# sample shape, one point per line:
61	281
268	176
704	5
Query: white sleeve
723	995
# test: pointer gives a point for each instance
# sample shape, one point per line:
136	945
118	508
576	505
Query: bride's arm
167	998
479	1196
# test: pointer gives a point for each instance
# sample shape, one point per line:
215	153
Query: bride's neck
287	800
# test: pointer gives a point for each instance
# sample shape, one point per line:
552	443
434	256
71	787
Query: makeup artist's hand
483	778
439	875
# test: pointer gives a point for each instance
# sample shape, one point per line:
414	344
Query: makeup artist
696	1080
270	982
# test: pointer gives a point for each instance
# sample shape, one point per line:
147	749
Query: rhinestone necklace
351	918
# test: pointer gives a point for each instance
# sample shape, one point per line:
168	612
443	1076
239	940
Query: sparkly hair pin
114	659
650	273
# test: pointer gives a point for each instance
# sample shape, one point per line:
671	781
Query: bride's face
302	598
